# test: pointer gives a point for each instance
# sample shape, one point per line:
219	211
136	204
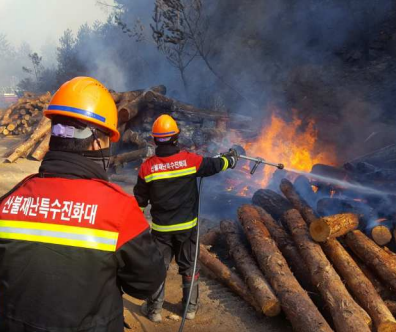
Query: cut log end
381	235
387	327
272	308
319	230
334	226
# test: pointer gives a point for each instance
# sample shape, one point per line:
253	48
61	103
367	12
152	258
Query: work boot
151	313
194	299
153	306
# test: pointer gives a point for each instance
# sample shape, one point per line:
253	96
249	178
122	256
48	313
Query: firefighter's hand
232	156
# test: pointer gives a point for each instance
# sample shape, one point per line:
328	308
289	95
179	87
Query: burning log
304	188
381	234
331	227
211	237
127	157
253	277
295	302
43	147
374	256
347	315
271	202
289	250
226	276
42	129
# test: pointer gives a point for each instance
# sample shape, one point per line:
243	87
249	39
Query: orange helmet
165	126
85	98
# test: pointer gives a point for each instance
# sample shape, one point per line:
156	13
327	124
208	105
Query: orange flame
292	144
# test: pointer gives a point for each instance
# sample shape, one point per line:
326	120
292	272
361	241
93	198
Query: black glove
232	157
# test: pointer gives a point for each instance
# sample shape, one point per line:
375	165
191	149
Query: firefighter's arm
141	268
210	166
142	192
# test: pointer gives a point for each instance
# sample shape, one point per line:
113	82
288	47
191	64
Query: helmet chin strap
105	167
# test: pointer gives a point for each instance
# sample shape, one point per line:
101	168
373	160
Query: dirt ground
220	309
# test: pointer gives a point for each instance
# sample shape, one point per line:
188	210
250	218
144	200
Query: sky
40	22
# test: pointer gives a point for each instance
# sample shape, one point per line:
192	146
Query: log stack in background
137	110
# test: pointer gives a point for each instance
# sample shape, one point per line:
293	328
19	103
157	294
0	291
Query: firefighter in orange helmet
71	243
168	182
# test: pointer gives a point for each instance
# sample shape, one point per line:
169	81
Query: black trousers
182	246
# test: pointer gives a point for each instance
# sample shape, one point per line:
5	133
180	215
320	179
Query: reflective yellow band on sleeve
226	163
171	174
176	227
59	234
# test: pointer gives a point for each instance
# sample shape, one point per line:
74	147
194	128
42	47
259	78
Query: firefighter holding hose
168	181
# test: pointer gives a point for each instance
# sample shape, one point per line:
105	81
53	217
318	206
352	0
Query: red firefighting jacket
168	181
68	249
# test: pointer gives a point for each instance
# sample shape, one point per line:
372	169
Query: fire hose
233	152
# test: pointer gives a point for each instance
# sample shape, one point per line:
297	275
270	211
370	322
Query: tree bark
261	290
43	148
347	314
374	256
334	226
361	287
42	128
226	276
132	137
288	249
295	302
127	157
271	202
127	110
210	238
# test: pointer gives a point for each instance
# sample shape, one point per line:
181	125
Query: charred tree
271	202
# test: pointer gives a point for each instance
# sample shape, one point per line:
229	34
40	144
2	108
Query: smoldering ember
291	103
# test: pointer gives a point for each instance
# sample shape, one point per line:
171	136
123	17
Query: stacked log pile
295	255
137	111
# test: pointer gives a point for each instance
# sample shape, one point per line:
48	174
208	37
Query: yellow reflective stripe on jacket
59	234
176	227
226	163
142	208
171	174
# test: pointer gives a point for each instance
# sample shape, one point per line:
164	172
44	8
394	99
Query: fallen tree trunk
374	256
361	287
298	203
127	110
271	202
210	237
226	276
329	206
160	101
253	277
347	314
382	289
295	302
43	147
42	128
334	226
381	234
127	157
132	137
288	249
